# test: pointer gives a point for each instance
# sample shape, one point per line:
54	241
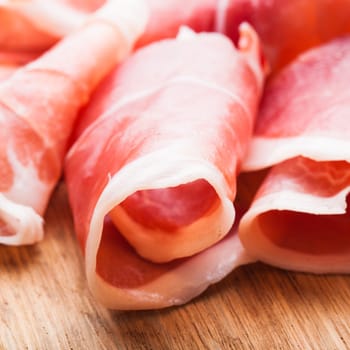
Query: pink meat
35	25
305	108
286	28
38	107
299	218
151	157
166	17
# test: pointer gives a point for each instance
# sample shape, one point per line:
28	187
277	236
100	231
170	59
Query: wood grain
45	304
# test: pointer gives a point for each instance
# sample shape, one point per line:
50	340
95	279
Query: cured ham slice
167	16
35	25
286	28
38	106
304	110
152	162
299	218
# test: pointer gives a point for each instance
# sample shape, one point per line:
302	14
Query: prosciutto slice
152	160
167	16
286	28
38	106
299	218
35	25
304	110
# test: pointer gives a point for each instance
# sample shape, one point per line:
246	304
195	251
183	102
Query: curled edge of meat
298	219
195	273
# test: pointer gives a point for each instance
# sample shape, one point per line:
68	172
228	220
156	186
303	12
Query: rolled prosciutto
35	25
286	28
299	218
152	175
38	106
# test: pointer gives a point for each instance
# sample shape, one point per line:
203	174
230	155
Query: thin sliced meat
286	28
19	34
127	281
35	25
38	106
299	218
305	109
167	16
152	157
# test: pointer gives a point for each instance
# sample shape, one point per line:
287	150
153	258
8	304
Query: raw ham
156	158
304	110
167	16
299	218
38	106
286	28
35	25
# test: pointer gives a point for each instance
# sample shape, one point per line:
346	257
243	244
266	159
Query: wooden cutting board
45	304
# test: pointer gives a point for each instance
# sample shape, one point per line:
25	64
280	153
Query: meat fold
152	174
299	218
304	110
38	107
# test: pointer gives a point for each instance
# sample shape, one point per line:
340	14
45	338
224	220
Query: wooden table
45	304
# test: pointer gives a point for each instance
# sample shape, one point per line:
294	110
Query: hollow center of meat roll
169	223
308	233
171	208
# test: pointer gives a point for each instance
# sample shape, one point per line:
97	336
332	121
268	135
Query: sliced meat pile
159	127
286	28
